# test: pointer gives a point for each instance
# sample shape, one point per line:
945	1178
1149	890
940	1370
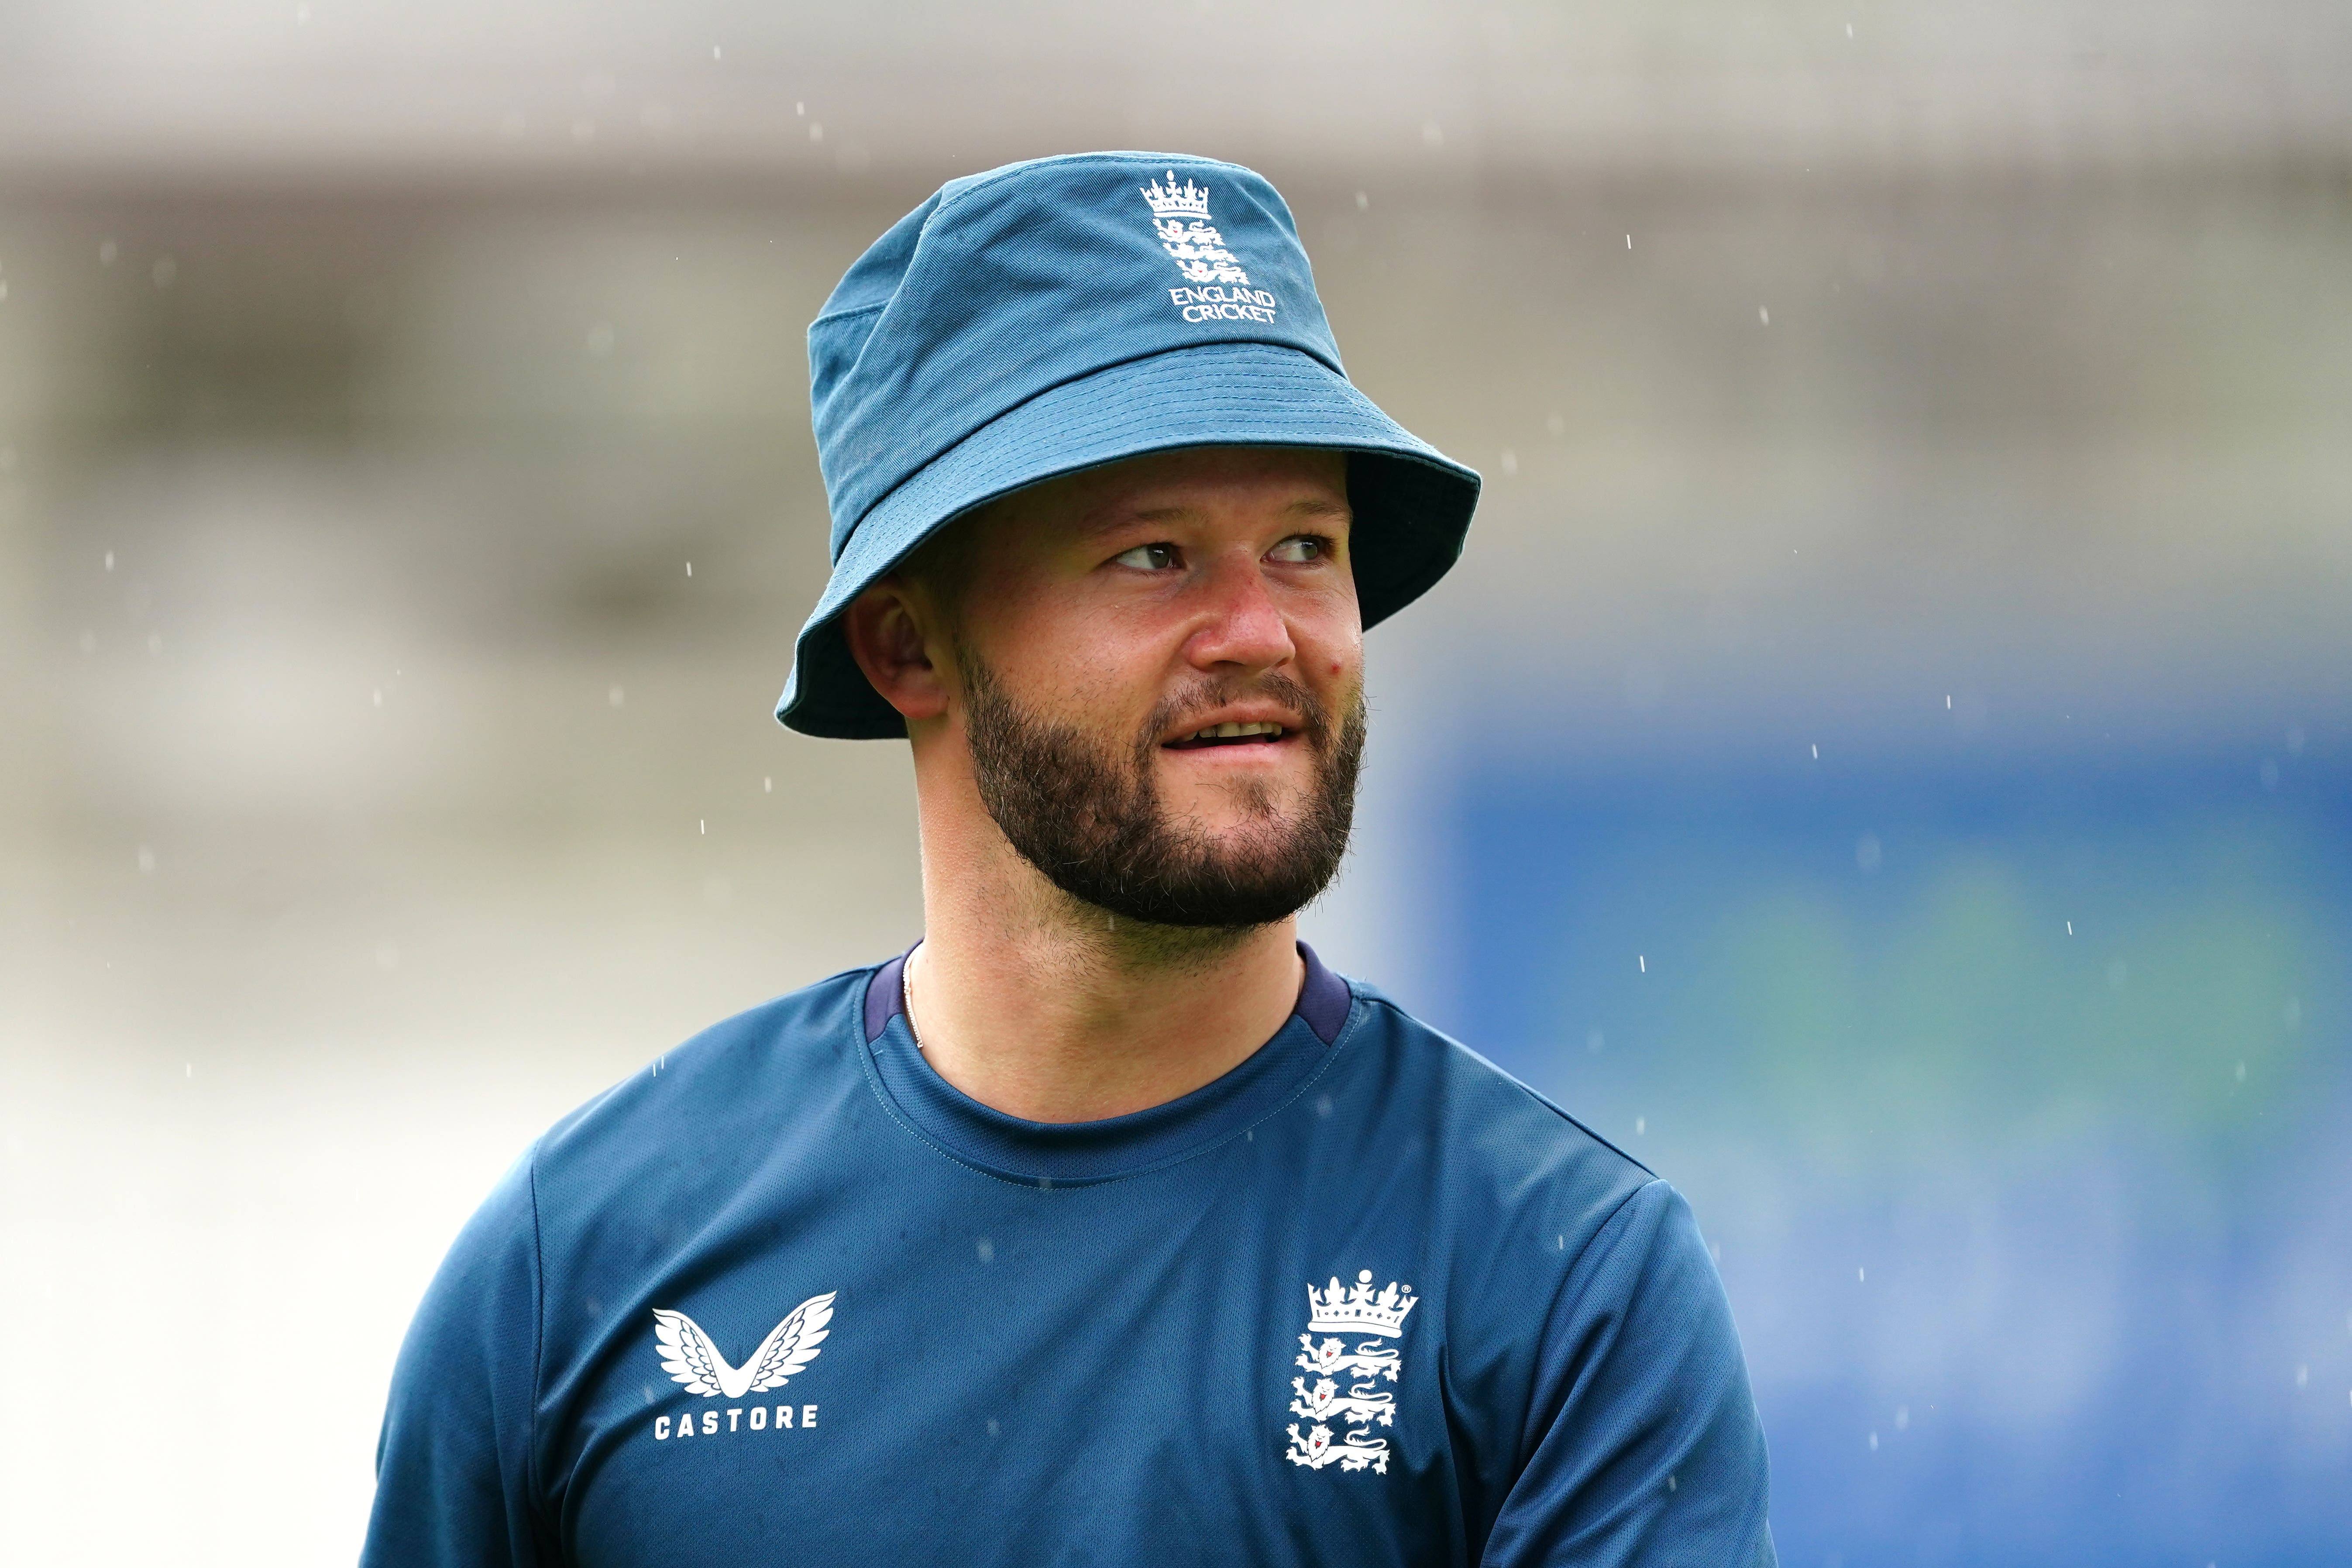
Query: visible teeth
1229	731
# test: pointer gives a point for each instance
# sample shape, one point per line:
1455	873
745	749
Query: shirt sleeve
454	1470
1642	1444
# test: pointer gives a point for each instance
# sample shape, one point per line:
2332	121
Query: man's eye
1297	550
1148	557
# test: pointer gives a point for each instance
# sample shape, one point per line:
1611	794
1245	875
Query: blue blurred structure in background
2016	1105
1885	760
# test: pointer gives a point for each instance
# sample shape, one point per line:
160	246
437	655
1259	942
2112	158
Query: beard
1089	815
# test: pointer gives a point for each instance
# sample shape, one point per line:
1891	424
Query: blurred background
1885	758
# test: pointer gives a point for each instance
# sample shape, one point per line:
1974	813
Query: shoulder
1540	1229
1489	1138
791	1059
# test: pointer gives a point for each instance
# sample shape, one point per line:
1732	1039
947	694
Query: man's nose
1242	626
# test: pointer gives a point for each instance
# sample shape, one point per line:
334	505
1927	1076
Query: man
1106	1225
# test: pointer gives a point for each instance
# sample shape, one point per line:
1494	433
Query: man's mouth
1261	732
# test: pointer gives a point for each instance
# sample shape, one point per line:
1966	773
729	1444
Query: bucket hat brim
1411	503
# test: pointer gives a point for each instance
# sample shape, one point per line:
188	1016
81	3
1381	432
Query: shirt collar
1071	1153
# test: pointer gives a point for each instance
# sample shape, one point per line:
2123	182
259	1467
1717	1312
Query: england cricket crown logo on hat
1170	202
1218	289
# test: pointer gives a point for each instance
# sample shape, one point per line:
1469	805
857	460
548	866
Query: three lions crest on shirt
1344	1313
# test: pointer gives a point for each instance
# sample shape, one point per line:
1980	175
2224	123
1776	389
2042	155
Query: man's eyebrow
1104	522
1305	507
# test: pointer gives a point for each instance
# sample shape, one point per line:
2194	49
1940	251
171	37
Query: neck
1049	1009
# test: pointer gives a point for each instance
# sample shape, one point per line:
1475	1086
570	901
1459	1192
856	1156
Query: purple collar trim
1323	1000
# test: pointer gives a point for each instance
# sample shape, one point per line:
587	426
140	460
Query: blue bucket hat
1067	312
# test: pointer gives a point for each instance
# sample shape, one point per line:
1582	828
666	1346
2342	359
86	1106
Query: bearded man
1105	1226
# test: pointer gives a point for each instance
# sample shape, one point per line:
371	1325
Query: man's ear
889	628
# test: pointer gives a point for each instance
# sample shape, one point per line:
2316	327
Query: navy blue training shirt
791	1298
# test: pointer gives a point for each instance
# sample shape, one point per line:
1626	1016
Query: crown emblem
1356	1309
1172	200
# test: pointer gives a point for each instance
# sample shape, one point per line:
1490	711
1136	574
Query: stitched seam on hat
859	310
